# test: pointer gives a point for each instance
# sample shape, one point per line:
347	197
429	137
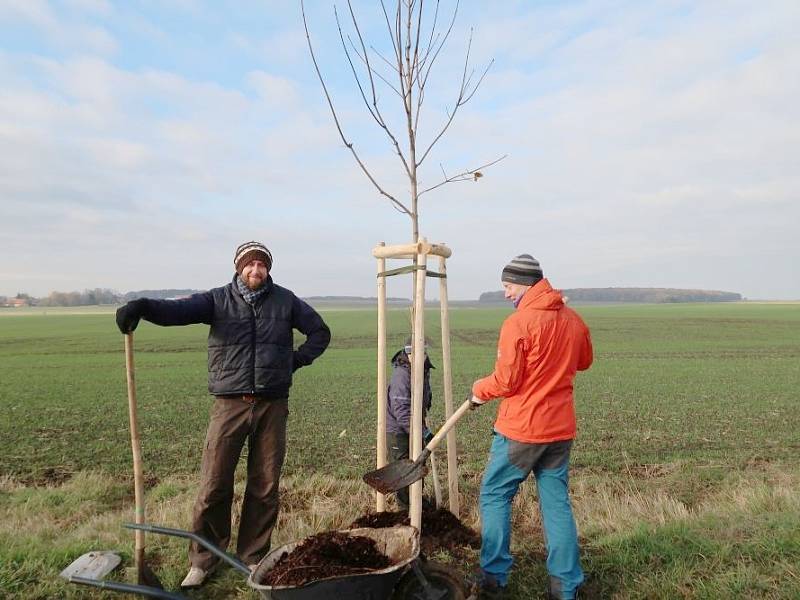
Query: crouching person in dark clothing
250	365
399	409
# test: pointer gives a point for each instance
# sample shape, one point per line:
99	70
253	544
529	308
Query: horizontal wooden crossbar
410	250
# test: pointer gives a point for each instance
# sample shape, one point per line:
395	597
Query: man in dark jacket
398	408
250	364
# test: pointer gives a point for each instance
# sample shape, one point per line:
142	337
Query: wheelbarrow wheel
446	583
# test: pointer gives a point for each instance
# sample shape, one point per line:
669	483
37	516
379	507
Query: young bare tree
415	46
416	37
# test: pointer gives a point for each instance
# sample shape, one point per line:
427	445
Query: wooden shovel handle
138	483
448	425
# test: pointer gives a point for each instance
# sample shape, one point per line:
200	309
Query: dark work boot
554	591
485	587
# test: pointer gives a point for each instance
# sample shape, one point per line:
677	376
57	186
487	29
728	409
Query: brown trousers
262	424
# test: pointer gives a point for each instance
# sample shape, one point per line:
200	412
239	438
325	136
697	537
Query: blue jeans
510	463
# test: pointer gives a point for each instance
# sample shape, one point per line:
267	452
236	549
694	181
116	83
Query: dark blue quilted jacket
250	348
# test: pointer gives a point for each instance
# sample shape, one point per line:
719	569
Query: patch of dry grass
43	528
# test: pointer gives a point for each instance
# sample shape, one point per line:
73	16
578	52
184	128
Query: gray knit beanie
408	344
523	269
251	251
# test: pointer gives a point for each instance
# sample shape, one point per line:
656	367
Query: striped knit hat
523	269
251	251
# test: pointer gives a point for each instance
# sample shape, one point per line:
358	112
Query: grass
685	473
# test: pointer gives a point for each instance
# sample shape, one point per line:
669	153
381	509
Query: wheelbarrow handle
127	588
231	560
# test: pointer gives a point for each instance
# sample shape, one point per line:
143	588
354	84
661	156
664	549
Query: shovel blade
92	565
395	476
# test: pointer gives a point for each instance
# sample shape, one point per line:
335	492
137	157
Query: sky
649	144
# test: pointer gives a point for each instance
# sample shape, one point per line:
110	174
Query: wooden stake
138	480
452	450
380	499
418	379
437	487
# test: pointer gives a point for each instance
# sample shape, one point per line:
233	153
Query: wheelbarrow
409	576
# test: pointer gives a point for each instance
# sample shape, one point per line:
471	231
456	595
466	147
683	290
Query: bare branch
395	202
423	61
407	100
480	80
373	110
441	45
415	74
477	83
391	34
420	100
384	59
421	65
469	174
374	70
415	54
353	70
464	96
431	38
398	39
416	41
365	56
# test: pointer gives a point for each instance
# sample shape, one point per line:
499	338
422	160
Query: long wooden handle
437	487
138	483
448	425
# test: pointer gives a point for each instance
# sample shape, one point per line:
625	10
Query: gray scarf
250	296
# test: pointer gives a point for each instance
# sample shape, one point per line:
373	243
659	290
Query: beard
254	283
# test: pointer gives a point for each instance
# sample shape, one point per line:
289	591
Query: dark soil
327	554
441	529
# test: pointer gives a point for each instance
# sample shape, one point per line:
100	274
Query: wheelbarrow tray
400	544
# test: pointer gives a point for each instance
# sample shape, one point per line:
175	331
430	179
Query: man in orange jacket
542	346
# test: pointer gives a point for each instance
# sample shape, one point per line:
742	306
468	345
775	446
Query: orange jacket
542	345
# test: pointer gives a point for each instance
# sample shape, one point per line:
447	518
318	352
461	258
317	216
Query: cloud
661	150
649	144
59	29
277	92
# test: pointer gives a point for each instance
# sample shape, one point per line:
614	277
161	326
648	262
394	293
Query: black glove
427	436
475	402
128	315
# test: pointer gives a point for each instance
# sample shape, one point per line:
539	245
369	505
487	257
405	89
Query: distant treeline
93	297
353	299
644	295
106	296
84	298
157	294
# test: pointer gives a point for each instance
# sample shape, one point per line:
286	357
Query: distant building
16	302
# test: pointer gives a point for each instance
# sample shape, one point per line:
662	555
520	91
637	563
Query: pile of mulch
327	554
441	529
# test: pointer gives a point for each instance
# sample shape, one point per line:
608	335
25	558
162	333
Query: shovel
143	573
403	473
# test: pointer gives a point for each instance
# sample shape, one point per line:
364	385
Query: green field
685	473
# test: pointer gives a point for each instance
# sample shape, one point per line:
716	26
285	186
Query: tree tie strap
411	269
